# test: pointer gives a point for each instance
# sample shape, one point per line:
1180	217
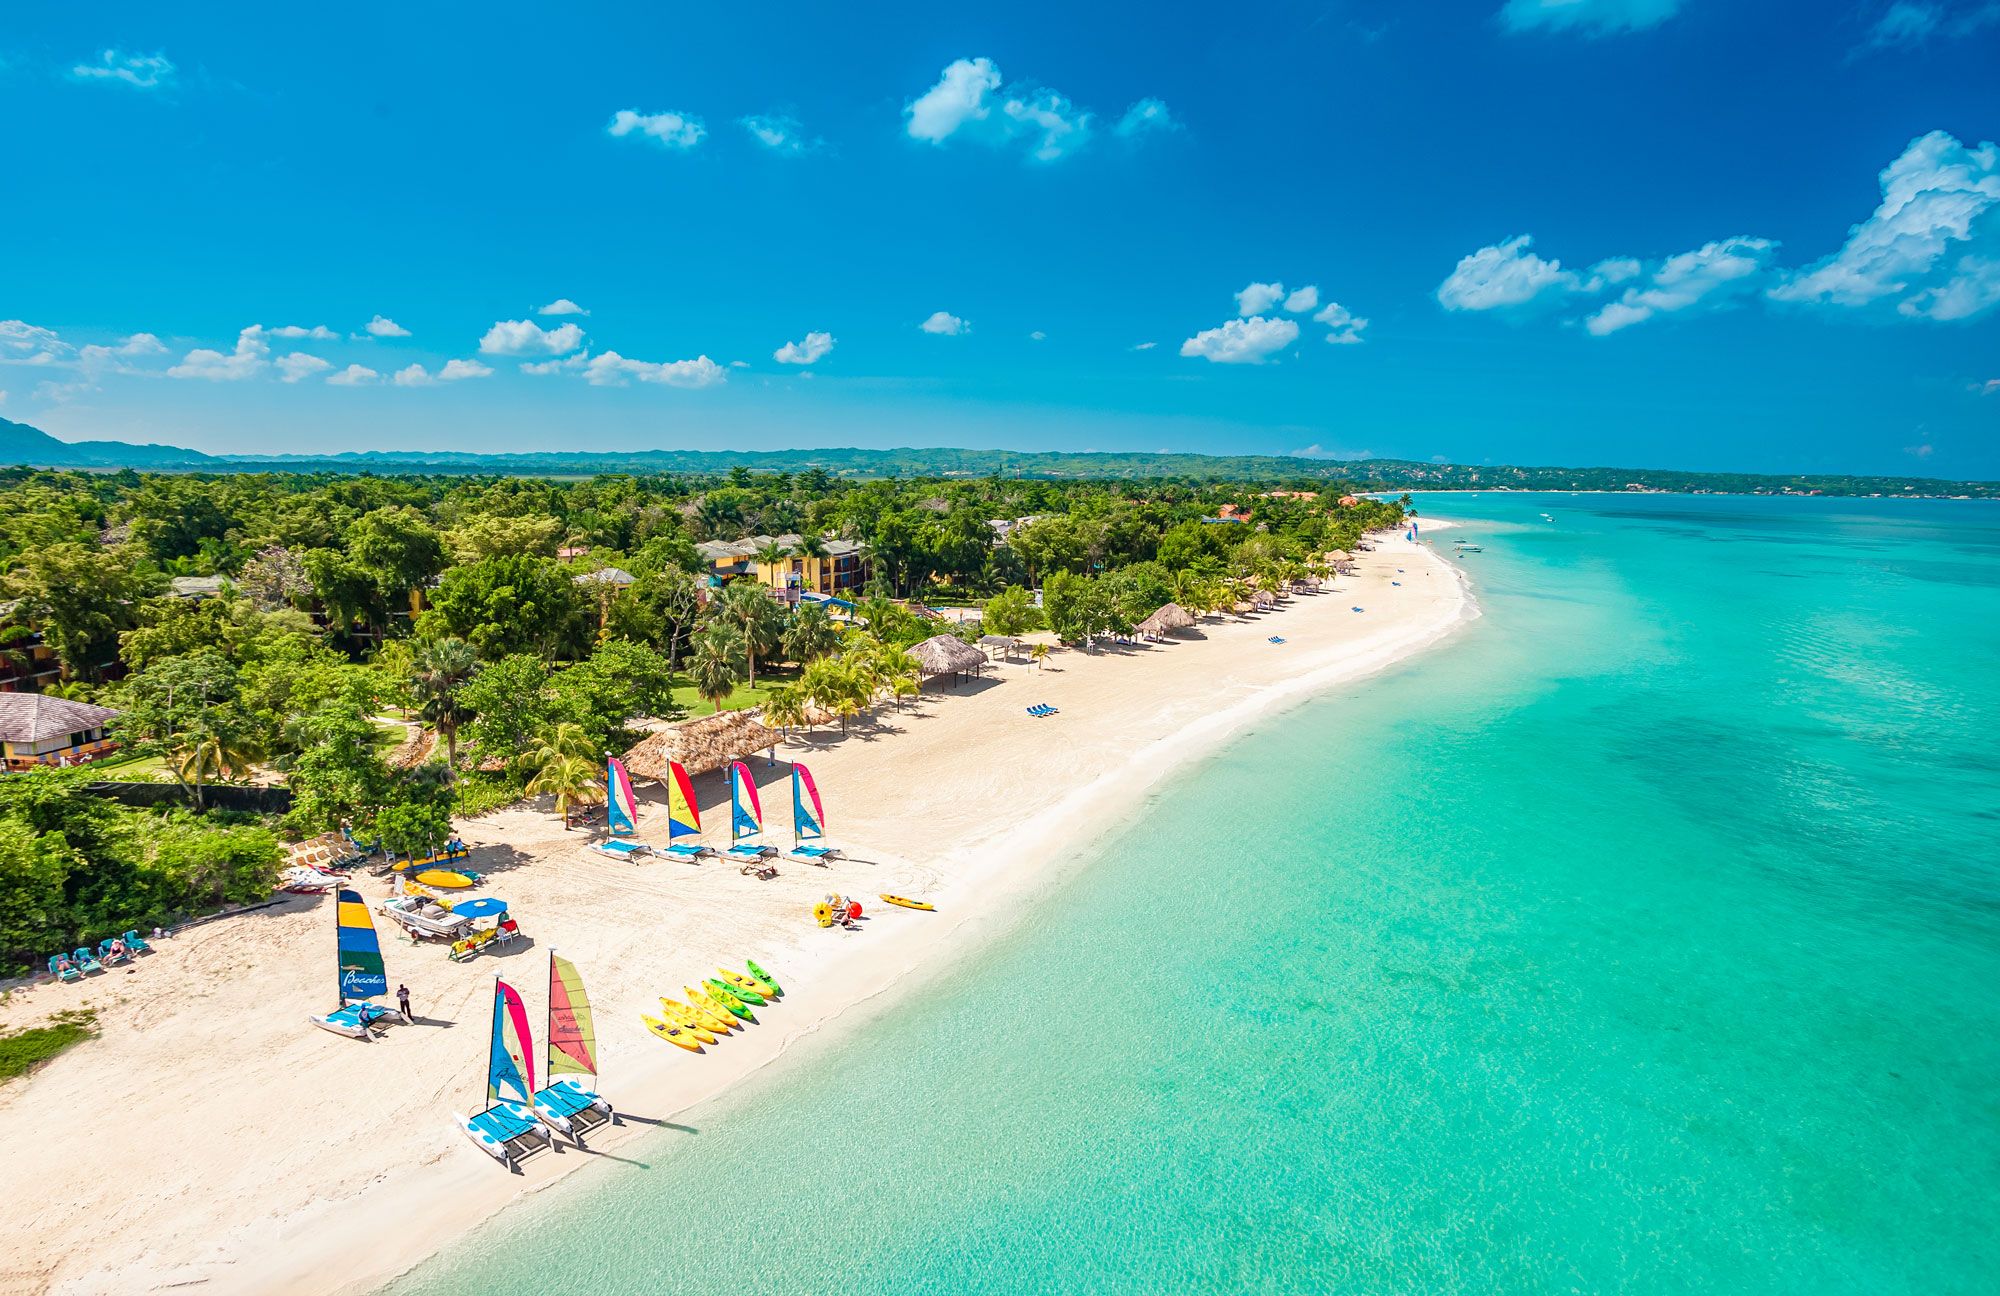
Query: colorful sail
621	804
683	811
808	819
510	1070
572	1035
746	815
357	953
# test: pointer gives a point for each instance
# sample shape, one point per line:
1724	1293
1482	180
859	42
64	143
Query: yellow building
839	571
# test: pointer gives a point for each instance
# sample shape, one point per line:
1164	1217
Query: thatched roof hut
1005	645
1264	598
702	744
1166	620
947	655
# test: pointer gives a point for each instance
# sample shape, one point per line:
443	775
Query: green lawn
768	678
23	1051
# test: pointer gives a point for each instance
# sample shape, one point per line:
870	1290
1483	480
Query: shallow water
1645	938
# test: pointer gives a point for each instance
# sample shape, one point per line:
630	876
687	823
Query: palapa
947	655
703	744
1165	620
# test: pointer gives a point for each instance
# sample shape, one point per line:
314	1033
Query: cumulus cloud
141	71
1590	17
526	338
1303	300
1504	275
670	130
971	100
249	358
807	351
1242	341
1711	275
383	327
1344	326
780	134
944	323
298	366
1258	298
1932	247
1145	117
453	371
609	369
564	365
1908	24
354	376
318	332
561	306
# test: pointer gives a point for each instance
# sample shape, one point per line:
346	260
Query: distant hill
21	444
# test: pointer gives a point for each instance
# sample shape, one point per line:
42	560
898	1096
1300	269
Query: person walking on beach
403	1001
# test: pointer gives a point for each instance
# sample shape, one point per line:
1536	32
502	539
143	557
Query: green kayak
718	985
750	965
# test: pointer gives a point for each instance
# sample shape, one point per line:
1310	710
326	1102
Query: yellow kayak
710	1016
682	1015
444	878
907	903
762	989
680	1035
716	1002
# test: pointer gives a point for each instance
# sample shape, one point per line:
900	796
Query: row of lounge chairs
1041	709
84	961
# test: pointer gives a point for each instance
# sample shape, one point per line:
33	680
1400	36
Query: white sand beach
209	1137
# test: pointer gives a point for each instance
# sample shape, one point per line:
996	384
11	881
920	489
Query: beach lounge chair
1276	639
86	960
65	968
112	951
1357	609
136	943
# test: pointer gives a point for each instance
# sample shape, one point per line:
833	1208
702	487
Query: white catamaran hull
492	1146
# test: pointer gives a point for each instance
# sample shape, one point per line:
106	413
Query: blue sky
1640	232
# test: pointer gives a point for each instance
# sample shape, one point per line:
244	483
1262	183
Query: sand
211	1137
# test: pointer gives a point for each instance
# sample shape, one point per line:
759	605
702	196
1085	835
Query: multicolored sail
746	815
357	953
683	811
621	804
808	819
572	1037
510	1069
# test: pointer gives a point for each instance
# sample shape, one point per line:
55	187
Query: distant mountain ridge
28	446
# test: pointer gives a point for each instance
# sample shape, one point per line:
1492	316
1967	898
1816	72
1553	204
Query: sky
1719	234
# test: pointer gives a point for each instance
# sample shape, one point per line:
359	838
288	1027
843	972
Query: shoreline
830	977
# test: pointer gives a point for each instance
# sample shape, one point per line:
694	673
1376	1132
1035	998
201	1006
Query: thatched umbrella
947	655
1005	645
1264	599
703	744
1165	620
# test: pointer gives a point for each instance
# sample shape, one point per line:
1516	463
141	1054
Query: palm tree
438	678
205	755
747	606
564	760
786	707
809	634
1036	652
713	667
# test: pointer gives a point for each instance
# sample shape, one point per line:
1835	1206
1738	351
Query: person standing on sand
403	1000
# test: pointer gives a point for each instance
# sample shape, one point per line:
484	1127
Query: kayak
672	1034
743	992
907	903
741	981
682	1015
719	1023
722	999
763	976
444	878
713	1007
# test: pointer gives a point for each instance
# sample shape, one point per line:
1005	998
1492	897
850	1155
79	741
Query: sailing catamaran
507	1129
358	971
746	819
808	821
683	816
571	1040
621	805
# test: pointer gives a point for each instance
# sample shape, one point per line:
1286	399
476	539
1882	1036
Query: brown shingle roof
36	717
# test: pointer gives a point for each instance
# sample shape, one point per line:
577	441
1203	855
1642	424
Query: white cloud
318	332
3	397
959	97
1258	298
1932	246
945	324
1991	387
1711	275
1345	327
1303	300
813	348
670	130
139	344
25	343
1145	346
1038	336
561	306
1143	118
1062	128
779	134
247	360
298	366
1503	275
1242	341
525	337
383	327
1591	17
563	365
609	369
1908	24
413	376
143	71
353	376
459	370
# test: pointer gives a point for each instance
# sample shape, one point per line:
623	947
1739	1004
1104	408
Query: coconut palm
553	742
786	707
205	756
809	634
438	678
565	765
714	667
1037	653
748	607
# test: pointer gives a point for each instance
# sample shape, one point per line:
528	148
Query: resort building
839	568
36	729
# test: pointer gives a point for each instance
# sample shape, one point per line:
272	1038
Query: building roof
748	547
605	576
37	717
197	587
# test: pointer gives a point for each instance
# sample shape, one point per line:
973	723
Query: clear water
1644	939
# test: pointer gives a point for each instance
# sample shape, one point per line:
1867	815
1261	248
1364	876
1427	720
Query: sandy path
210	1137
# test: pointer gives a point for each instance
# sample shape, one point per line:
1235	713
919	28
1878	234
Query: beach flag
683	811
621	804
806	823
746	815
510	1071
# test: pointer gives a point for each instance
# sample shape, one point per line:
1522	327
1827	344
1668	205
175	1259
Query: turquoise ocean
1645	937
